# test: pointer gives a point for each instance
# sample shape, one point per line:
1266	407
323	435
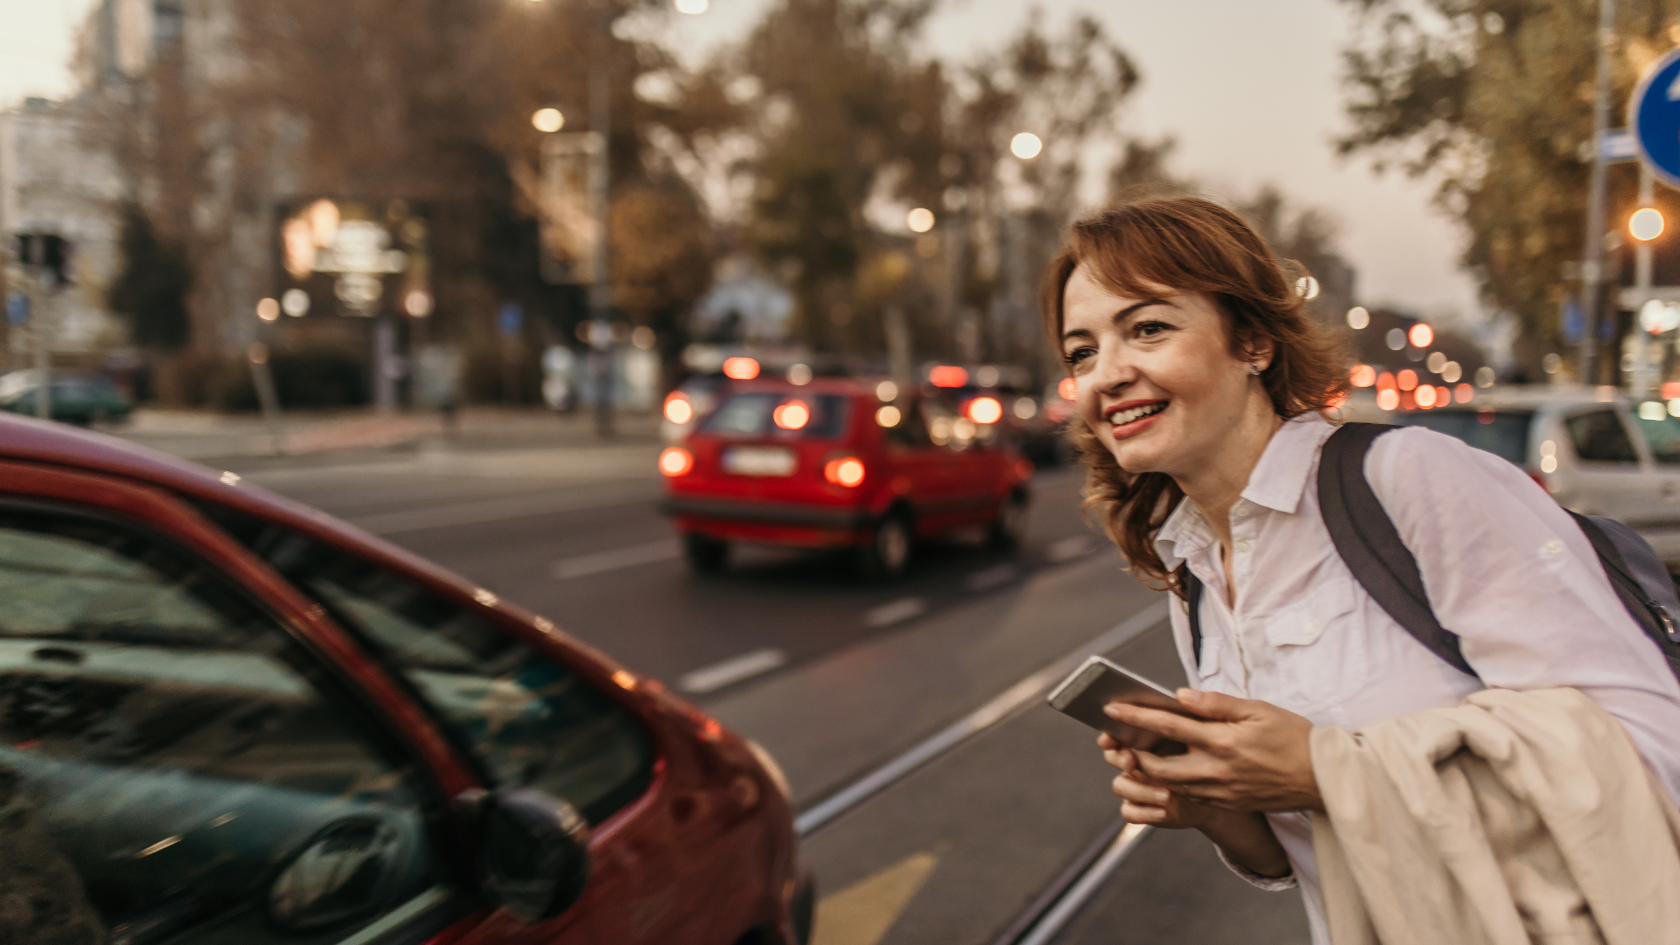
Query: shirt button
1243	546
1240	510
1552	549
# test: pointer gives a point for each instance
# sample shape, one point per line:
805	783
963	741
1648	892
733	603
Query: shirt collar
1277	483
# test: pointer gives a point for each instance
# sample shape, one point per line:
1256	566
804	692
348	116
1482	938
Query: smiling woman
1188	285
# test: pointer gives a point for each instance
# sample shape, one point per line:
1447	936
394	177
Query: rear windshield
772	414
1504	433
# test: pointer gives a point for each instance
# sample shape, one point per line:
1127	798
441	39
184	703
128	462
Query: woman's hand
1244	755
1145	801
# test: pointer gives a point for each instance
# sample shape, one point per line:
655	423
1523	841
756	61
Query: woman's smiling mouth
1131	419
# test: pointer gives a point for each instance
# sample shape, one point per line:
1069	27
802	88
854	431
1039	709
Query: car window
1504	433
1599	437
526	721
911	430
172	768
760	413
1661	432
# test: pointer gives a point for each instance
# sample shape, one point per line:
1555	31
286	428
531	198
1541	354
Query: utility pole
1592	260
600	182
1640	379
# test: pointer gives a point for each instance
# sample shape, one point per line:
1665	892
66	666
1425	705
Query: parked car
1596	453
828	464
81	399
227	717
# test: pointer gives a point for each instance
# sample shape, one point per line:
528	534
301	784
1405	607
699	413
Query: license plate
758	461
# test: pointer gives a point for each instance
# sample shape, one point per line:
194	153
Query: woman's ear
1259	353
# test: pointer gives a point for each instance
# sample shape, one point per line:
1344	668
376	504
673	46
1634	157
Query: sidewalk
203	436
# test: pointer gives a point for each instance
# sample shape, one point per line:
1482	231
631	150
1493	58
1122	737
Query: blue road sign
1654	118
513	318
1574	324
17	308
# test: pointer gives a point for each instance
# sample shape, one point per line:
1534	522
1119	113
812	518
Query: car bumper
785	514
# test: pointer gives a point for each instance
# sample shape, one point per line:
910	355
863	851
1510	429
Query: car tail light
676	461
948	375
793	415
985	410
846	471
740	368
678	409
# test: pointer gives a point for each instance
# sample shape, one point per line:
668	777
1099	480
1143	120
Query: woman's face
1157	381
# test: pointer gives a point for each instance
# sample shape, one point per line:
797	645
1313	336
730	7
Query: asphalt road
837	676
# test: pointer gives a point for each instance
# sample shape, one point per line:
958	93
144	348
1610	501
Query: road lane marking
991	577
896	612
498	510
731	671
602	561
1005	705
864	912
1070	548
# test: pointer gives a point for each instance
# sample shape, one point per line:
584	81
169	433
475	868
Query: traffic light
48	254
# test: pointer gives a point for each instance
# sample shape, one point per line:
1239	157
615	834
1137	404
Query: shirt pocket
1317	649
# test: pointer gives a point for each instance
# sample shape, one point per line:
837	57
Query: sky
1251	90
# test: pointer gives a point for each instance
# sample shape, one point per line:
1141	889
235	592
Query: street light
1025	145
548	120
919	220
1646	224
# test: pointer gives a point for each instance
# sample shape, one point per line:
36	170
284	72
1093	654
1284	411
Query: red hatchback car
225	717
835	464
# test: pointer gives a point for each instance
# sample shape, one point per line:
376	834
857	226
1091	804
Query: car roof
817	385
1538	396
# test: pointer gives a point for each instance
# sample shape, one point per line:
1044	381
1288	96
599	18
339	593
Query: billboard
356	258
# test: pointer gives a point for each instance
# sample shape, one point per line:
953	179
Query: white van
1593	449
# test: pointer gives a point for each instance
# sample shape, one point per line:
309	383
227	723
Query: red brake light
676	461
740	368
792	415
948	375
678	409
846	471
985	410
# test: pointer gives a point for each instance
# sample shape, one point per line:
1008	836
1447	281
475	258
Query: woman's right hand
1143	801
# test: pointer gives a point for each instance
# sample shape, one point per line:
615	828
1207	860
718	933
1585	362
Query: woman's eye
1078	355
1150	329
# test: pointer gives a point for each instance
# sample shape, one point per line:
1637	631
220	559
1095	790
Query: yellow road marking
863	913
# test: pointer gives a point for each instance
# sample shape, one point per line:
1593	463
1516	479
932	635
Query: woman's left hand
1244	755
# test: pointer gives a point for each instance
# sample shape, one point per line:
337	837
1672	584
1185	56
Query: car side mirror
533	851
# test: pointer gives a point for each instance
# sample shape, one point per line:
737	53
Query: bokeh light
1396	339
1425	396
1388	399
548	120
799	375
740	368
1464	393
268	310
948	375
886	390
1362	375
1068	388
676	461
888	416
1385	381
919	220
1025	145
985	410
792	415
1646	224
1421	335
1026	408
1407	379
1358	317
1451	372
847	471
678	409
1436	363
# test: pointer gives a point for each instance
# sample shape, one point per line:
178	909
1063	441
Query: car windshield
1661	431
1504	433
764	413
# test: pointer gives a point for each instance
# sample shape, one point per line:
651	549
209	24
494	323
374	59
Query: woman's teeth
1136	413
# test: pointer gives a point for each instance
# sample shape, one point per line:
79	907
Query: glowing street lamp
919	220
1025	145
548	120
1646	224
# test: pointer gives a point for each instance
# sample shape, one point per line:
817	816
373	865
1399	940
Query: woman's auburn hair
1189	244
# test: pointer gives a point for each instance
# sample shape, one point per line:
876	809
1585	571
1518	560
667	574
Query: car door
1660	436
526	721
184	759
1613	480
921	467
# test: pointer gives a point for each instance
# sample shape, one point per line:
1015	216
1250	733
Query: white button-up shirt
1505	569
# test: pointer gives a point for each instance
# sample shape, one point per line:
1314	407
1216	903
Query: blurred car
1597	453
75	398
831	464
227	717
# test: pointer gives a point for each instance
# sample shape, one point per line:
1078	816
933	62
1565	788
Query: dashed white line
731	671
603	561
991	577
1069	548
896	612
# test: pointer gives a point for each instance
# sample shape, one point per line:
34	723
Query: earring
1254	369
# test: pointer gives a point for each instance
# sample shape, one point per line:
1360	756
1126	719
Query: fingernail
1188	695
1112	711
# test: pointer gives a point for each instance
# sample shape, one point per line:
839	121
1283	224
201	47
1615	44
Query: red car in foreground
838	463
225	717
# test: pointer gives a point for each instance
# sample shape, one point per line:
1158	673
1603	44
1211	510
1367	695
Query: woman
1201	387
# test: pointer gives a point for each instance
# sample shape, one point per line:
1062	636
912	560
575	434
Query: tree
151	288
1493	99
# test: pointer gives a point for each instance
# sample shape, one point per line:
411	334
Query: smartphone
1097	683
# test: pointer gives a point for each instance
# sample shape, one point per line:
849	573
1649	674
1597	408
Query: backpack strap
1371	546
1193	588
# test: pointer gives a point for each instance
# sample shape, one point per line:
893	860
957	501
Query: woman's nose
1113	371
